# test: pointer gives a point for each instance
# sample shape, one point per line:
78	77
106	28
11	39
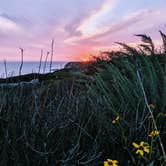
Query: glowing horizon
80	27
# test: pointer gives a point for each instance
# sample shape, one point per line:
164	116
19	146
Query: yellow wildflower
141	148
152	106
153	133
114	121
110	162
163	115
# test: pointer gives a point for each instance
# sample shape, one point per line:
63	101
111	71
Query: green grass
67	120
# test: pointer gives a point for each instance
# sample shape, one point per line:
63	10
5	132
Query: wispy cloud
94	23
137	22
9	26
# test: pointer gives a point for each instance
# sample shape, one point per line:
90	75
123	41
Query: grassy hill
79	118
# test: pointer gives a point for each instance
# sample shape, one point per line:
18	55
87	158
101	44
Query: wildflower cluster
141	148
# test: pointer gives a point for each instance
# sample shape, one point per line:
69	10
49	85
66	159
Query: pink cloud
138	22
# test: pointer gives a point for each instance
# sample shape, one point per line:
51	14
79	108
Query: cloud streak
9	26
91	25
137	22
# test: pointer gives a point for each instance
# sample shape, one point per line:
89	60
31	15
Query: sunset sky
79	27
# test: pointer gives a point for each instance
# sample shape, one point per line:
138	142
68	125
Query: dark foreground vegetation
115	110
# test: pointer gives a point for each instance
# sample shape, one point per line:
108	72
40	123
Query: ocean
28	67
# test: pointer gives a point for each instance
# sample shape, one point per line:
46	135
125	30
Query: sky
80	28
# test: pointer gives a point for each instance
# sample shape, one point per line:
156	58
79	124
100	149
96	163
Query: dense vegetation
116	113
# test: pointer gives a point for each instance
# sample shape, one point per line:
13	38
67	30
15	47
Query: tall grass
73	121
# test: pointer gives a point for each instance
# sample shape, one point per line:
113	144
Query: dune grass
118	113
